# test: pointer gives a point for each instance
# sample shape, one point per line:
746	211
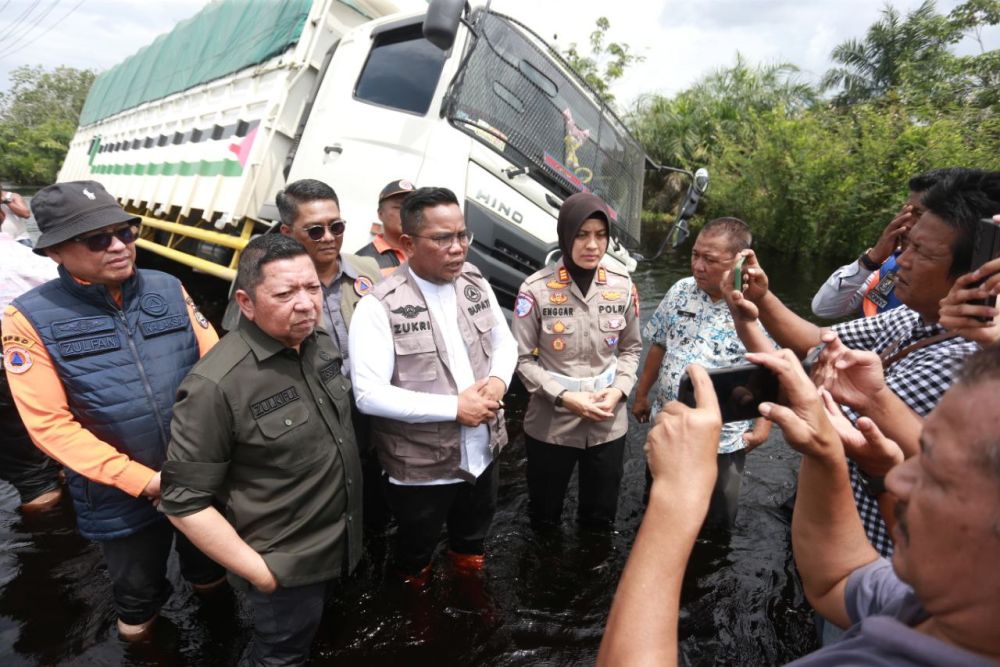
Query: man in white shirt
433	356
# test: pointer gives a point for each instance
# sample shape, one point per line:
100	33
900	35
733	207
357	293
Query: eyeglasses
444	241
317	232
101	242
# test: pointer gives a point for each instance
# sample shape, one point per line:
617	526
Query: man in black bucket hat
94	359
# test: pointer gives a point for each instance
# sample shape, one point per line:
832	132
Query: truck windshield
518	96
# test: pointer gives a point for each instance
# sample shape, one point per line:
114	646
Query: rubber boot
466	563
44	502
136	633
418	581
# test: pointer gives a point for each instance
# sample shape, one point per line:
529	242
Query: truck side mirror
441	22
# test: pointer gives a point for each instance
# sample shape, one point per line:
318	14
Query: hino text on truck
198	131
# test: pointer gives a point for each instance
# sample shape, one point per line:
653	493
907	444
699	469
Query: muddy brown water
543	600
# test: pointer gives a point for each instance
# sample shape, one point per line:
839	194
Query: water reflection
543	598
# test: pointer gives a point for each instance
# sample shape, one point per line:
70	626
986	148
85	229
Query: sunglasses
102	241
317	232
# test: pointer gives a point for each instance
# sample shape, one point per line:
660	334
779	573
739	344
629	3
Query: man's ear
53	254
245	302
285	229
409	245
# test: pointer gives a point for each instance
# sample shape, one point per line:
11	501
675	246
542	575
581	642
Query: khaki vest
429	451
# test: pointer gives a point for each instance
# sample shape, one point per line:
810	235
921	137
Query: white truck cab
357	98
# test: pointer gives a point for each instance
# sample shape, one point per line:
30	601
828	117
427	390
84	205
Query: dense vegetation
821	169
814	168
38	118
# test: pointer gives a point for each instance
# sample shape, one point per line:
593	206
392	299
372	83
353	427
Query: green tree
686	129
606	63
38	118
911	57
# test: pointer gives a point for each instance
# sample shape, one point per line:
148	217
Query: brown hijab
575	211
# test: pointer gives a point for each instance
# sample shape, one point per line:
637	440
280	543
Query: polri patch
363	285
16	359
525	302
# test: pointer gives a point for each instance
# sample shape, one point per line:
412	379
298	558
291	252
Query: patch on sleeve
199	318
525	302
363	285
21	341
16	359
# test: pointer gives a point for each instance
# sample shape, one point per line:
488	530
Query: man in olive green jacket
262	428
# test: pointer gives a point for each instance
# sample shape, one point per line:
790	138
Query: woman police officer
577	328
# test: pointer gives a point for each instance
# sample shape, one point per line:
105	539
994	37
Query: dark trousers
284	624
375	510
421	511
22	464
725	502
550	468
726	495
137	565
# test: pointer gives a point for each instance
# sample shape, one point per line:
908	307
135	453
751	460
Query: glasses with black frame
102	240
318	231
444	241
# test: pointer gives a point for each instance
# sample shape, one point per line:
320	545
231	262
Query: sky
681	41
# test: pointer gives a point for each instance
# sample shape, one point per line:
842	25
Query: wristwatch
867	262
874	486
558	402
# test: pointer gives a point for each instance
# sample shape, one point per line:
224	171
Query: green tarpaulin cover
224	37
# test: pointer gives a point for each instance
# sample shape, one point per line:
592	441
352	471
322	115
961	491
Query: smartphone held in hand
986	247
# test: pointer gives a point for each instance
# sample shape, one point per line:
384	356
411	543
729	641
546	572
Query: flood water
543	599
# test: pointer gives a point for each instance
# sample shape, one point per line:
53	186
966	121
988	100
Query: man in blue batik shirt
693	325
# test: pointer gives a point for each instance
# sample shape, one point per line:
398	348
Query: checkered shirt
919	379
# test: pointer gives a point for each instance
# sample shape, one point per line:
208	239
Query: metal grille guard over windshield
518	96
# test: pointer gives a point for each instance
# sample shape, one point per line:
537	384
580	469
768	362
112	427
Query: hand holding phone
741	388
738	273
986	248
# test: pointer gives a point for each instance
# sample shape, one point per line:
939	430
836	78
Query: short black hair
299	192
960	200
737	232
260	252
411	213
980	368
927	180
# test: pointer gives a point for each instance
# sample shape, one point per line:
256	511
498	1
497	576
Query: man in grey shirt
936	603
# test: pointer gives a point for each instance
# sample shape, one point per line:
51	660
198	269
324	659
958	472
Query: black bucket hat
66	210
